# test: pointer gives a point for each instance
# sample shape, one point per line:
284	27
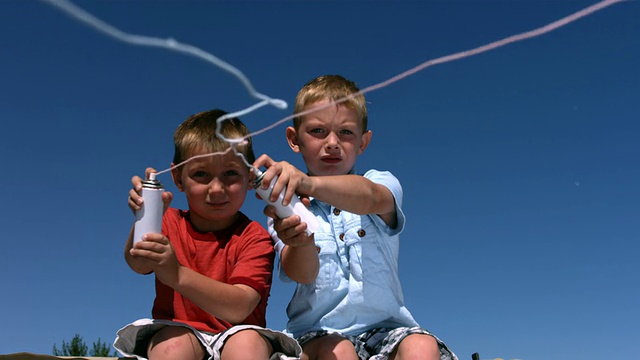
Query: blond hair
333	88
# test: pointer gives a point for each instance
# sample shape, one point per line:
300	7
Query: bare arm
301	264
299	257
231	303
353	193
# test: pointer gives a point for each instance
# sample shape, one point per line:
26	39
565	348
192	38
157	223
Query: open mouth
331	160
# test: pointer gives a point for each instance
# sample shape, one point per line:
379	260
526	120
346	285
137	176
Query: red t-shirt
240	254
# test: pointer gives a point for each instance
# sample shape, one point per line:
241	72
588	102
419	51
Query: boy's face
215	187
329	139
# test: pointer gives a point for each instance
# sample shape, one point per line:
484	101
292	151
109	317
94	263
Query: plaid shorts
378	344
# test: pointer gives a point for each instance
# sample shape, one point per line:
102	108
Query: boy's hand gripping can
149	217
295	206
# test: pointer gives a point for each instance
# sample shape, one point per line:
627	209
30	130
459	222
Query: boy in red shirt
213	265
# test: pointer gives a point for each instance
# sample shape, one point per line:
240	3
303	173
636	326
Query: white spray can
149	217
295	206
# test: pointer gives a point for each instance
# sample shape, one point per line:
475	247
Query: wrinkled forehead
329	110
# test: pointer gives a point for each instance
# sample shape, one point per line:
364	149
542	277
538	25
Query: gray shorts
378	344
133	339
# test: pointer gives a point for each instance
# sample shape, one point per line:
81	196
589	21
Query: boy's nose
215	185
331	141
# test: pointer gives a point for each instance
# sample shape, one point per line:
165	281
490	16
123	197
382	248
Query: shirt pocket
369	262
331	272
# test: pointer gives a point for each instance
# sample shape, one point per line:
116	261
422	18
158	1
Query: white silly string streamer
173	45
169	44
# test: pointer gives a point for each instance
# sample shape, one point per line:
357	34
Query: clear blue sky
520	166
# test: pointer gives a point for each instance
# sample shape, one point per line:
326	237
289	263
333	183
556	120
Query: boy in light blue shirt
348	303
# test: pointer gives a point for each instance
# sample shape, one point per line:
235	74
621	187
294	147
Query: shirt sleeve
254	266
388	180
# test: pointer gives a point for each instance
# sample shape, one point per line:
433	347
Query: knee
342	349
330	347
175	342
247	344
418	346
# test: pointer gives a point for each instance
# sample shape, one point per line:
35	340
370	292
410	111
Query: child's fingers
134	200
136	182
263	160
269	210
151	243
148	172
167	197
305	200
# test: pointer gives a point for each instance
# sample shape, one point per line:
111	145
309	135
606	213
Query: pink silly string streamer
174	45
457	56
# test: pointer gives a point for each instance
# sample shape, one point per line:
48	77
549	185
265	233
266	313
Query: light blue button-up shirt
358	287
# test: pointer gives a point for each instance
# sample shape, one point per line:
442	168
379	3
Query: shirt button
361	233
342	236
336	212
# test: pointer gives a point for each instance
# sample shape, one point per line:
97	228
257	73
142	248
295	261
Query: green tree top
77	347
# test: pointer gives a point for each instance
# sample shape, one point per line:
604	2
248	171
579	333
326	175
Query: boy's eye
231	173
316	131
346	132
199	174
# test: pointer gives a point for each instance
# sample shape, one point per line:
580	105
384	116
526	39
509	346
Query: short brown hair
198	133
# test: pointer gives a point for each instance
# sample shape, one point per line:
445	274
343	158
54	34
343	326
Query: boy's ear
177	179
252	176
366	139
292	139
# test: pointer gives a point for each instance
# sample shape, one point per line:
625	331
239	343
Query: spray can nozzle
259	175
294	207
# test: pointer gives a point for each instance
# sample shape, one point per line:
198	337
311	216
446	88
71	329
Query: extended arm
353	193
299	257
